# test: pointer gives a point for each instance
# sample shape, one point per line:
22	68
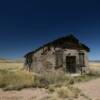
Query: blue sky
27	24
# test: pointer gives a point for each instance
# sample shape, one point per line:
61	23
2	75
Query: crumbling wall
44	62
55	58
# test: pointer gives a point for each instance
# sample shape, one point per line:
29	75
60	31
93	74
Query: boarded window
81	59
59	58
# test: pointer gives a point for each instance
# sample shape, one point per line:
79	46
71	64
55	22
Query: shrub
51	88
94	73
15	80
18	79
67	92
51	78
40	82
55	77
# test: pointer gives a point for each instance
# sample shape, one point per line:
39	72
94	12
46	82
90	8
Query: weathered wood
54	54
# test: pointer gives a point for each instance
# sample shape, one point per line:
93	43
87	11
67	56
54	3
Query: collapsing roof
69	42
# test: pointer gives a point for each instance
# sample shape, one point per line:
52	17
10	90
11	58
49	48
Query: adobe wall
44	62
40	61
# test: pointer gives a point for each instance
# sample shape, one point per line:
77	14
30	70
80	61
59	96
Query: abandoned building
67	53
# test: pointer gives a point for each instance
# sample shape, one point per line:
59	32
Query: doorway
71	64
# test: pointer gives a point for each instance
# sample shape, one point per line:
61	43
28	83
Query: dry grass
12	77
11	66
94	66
15	80
63	93
67	92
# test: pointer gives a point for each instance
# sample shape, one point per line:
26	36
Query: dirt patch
90	89
25	94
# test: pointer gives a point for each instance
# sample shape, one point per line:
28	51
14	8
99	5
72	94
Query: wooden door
71	64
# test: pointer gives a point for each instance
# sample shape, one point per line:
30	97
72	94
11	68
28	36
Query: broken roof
70	42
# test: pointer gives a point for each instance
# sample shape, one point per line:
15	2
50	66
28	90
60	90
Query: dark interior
71	64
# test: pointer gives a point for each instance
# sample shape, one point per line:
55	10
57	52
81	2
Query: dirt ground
25	94
91	90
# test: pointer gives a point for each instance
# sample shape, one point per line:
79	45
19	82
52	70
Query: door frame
71	64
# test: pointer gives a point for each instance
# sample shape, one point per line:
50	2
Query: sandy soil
29	94
25	94
90	89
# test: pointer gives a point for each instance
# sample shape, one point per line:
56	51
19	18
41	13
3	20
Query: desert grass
11	66
94	66
64	93
15	80
58	84
12	76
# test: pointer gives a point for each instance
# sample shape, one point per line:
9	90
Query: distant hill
96	61
3	60
21	60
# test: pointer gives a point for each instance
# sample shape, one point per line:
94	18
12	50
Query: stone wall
44	62
48	61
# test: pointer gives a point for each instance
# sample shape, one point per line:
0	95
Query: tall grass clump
15	80
67	92
18	79
51	78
